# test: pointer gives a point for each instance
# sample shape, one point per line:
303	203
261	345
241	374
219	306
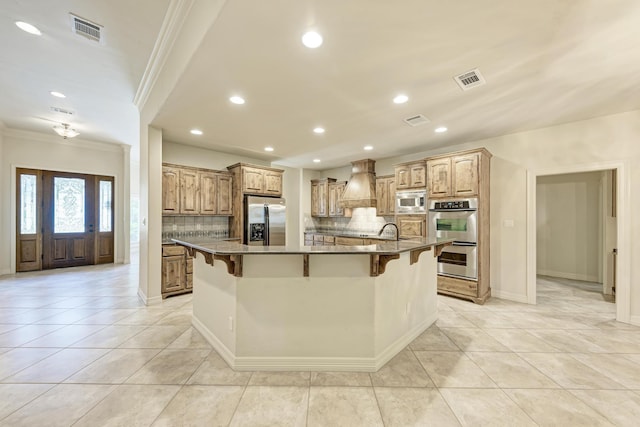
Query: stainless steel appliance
411	202
265	221
456	219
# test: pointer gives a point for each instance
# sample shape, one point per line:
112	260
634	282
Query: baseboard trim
510	296
634	320
352	364
571	276
5	272
148	301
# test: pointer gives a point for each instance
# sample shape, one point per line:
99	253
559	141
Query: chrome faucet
390	223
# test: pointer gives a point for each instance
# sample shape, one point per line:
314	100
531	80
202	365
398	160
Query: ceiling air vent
416	120
62	111
470	79
86	28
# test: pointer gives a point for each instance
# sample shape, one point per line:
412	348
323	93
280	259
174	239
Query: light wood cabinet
272	183
335	198
349	241
320	197
170	190
412	226
177	271
224	195
189	192
455	175
410	175
208	193
386	195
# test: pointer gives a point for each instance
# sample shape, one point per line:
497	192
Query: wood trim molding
440	248
208	257
378	263
234	263
305	265
414	255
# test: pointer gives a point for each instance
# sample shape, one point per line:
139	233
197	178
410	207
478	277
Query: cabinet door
189	191
335	197
382	196
349	241
412	227
252	180
391	203
439	177
173	273
319	196
208	193
403	178
418	175
272	183
225	195
465	175
315	199
339	190
170	190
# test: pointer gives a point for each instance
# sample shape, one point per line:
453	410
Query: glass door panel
69	205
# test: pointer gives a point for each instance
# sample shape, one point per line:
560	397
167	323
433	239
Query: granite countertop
353	234
234	248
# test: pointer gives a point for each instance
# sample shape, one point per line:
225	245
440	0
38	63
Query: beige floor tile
272	378
615	366
473	339
348	379
190	339
272	406
130	405
404	370
154	337
211	406
404	407
169	367
24	334
621	408
508	370
565	341
115	367
569	372
14	396
556	408
7	327
18	359
33	315
57	367
485	407
143	316
60	406
181	318
433	339
453	369
487	319
69	316
343	406
215	371
614	341
518	340
107	316
110	336
64	336
452	319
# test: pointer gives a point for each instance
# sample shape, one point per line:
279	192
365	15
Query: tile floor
78	348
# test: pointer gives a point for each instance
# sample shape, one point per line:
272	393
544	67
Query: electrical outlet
231	323
174	227
198	226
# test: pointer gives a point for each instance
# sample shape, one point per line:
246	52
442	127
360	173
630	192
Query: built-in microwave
411	202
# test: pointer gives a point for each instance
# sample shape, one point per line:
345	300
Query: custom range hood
361	188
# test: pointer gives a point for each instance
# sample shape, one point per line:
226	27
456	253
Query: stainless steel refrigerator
264	221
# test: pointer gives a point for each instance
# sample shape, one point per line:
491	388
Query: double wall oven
456	219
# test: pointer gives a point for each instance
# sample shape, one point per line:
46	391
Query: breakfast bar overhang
313	308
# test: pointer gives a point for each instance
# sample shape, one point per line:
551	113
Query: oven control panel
454	205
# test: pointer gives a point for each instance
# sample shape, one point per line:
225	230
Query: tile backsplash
195	226
362	221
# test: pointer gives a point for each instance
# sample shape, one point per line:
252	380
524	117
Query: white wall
21	149
569	226
186	155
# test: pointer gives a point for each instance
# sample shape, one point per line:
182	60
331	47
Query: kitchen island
330	308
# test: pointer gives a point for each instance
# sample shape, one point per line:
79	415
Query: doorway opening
63	219
576	237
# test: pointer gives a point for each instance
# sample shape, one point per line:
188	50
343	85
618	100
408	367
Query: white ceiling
545	62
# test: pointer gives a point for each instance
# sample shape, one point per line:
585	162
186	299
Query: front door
68	220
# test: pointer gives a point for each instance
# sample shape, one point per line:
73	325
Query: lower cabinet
177	271
412	226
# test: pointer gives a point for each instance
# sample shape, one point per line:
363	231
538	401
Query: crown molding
55	139
173	20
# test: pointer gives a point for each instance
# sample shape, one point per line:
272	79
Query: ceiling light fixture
400	99
368	147
441	129
24	26
196	132
311	39
237	100
316	160
268	149
65	131
57	94
318	130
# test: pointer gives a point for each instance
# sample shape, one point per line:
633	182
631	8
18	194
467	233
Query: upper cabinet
456	175
386	195
194	191
335	198
258	180
411	175
320	197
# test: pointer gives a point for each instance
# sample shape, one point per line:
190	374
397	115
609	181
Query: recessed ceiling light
311	39
57	94
28	28
441	129
196	131
268	148
400	99
368	147
318	130
316	160
237	100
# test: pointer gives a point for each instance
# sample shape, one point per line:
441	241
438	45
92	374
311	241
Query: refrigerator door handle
266	225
